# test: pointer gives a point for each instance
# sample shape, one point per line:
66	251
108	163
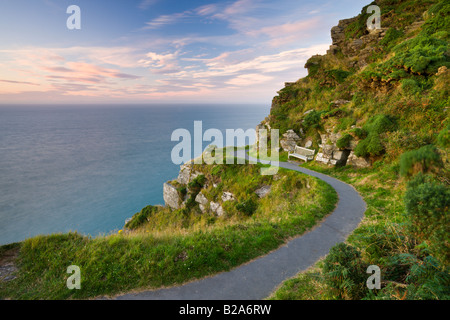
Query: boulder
308	144
358	162
201	199
263	191
171	196
338	155
289	141
186	175
227	196
322	158
216	208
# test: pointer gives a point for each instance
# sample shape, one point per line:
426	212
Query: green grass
144	259
383	239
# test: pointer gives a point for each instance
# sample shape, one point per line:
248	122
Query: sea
87	168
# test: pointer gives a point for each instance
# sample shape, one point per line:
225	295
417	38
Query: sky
160	51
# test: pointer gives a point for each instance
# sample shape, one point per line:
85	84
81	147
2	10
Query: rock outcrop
361	48
289	141
263	191
171	196
202	201
358	161
216	208
186	175
331	154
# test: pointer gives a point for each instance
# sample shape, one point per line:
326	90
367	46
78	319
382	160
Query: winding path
259	278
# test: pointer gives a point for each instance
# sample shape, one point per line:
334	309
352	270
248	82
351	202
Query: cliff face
356	104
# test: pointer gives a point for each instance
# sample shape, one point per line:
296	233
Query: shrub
443	139
344	272
424	160
217	170
182	191
422	55
312	119
344	141
379	124
345	123
428	281
410	86
372	144
440	18
338	75
141	217
359	133
247	207
427	203
196	184
390	38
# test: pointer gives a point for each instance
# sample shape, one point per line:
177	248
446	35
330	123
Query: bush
338	75
410	86
247	207
359	133
390	38
372	144
344	272
217	170
379	124
344	141
425	159
440	18
196	184
428	281
443	139
182	191
141	217
427	203
421	55
312	119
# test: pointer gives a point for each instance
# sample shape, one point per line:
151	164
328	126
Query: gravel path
259	278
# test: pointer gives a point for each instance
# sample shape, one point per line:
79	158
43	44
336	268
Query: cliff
375	93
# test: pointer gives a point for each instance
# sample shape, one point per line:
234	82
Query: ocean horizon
87	168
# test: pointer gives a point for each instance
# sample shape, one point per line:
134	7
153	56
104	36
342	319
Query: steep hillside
375	109
380	93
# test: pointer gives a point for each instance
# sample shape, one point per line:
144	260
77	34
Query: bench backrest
304	151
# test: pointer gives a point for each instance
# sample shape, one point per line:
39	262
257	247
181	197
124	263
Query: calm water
88	168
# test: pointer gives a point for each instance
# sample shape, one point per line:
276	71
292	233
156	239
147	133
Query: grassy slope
402	85
174	246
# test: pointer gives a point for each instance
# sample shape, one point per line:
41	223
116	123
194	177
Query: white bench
302	153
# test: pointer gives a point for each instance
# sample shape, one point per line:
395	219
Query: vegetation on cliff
163	246
392	85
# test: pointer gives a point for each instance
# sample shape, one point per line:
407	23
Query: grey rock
201	199
308	144
338	155
358	162
263	191
186	175
171	197
289	141
227	196
216	208
322	158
